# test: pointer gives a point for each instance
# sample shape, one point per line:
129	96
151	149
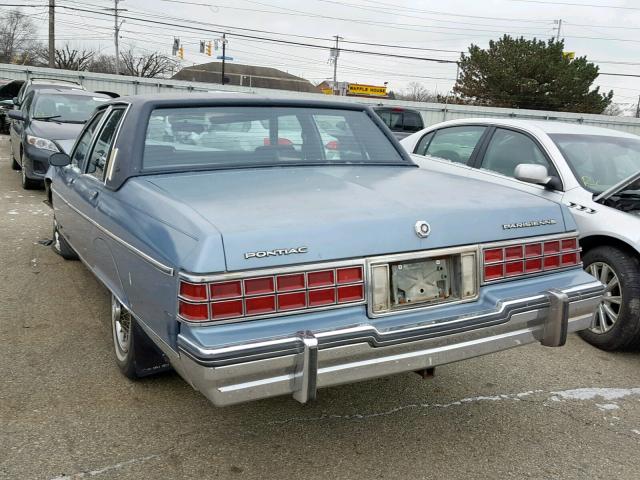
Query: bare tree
614	110
17	32
103	64
147	65
416	92
68	58
72	59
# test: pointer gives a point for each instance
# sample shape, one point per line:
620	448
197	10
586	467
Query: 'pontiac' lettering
275	252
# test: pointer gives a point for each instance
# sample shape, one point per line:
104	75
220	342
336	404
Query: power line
289	42
457	22
577	4
355	42
266	39
448	14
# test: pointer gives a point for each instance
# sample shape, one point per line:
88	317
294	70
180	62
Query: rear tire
617	319
60	245
136	354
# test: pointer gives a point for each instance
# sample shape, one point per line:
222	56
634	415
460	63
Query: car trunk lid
281	216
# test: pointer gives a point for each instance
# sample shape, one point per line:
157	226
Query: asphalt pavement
66	412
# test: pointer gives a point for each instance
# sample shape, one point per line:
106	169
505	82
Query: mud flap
149	358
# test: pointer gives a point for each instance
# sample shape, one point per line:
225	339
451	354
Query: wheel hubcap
121	323
607	313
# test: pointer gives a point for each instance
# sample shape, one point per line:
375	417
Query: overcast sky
605	31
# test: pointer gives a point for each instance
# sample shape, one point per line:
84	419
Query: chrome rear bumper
301	364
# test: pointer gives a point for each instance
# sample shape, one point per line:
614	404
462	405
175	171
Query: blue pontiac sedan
264	247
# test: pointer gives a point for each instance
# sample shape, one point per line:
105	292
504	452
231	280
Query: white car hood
618	187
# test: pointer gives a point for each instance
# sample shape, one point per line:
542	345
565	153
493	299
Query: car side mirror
15	115
536	174
15	101
59	159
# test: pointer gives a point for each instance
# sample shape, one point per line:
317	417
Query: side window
508	149
98	160
421	148
84	142
26	105
455	143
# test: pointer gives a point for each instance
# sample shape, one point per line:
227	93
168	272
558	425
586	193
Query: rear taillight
526	258
270	294
281	141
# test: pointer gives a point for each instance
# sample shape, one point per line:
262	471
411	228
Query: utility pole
638	108
224	55
335	53
52	33
559	22
117	36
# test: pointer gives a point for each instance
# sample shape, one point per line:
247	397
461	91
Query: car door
457	144
505	149
90	184
68	194
17	127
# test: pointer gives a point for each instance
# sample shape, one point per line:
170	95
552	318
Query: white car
595	171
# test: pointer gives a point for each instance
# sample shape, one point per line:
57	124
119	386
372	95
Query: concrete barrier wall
431	112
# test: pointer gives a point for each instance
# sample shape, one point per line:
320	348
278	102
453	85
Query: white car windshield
599	161
227	137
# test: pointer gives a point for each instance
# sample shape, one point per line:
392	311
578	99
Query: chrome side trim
112	162
152	261
523	240
267	271
114	150
233	354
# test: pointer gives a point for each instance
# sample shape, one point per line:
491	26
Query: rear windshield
401	120
227	137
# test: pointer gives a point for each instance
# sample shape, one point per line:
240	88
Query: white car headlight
42	143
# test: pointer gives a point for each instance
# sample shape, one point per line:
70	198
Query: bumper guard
269	368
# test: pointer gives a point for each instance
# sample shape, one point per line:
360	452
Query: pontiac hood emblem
531	223
422	228
275	252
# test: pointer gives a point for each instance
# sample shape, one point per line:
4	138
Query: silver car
595	171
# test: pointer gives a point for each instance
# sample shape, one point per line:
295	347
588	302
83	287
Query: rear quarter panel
142	217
